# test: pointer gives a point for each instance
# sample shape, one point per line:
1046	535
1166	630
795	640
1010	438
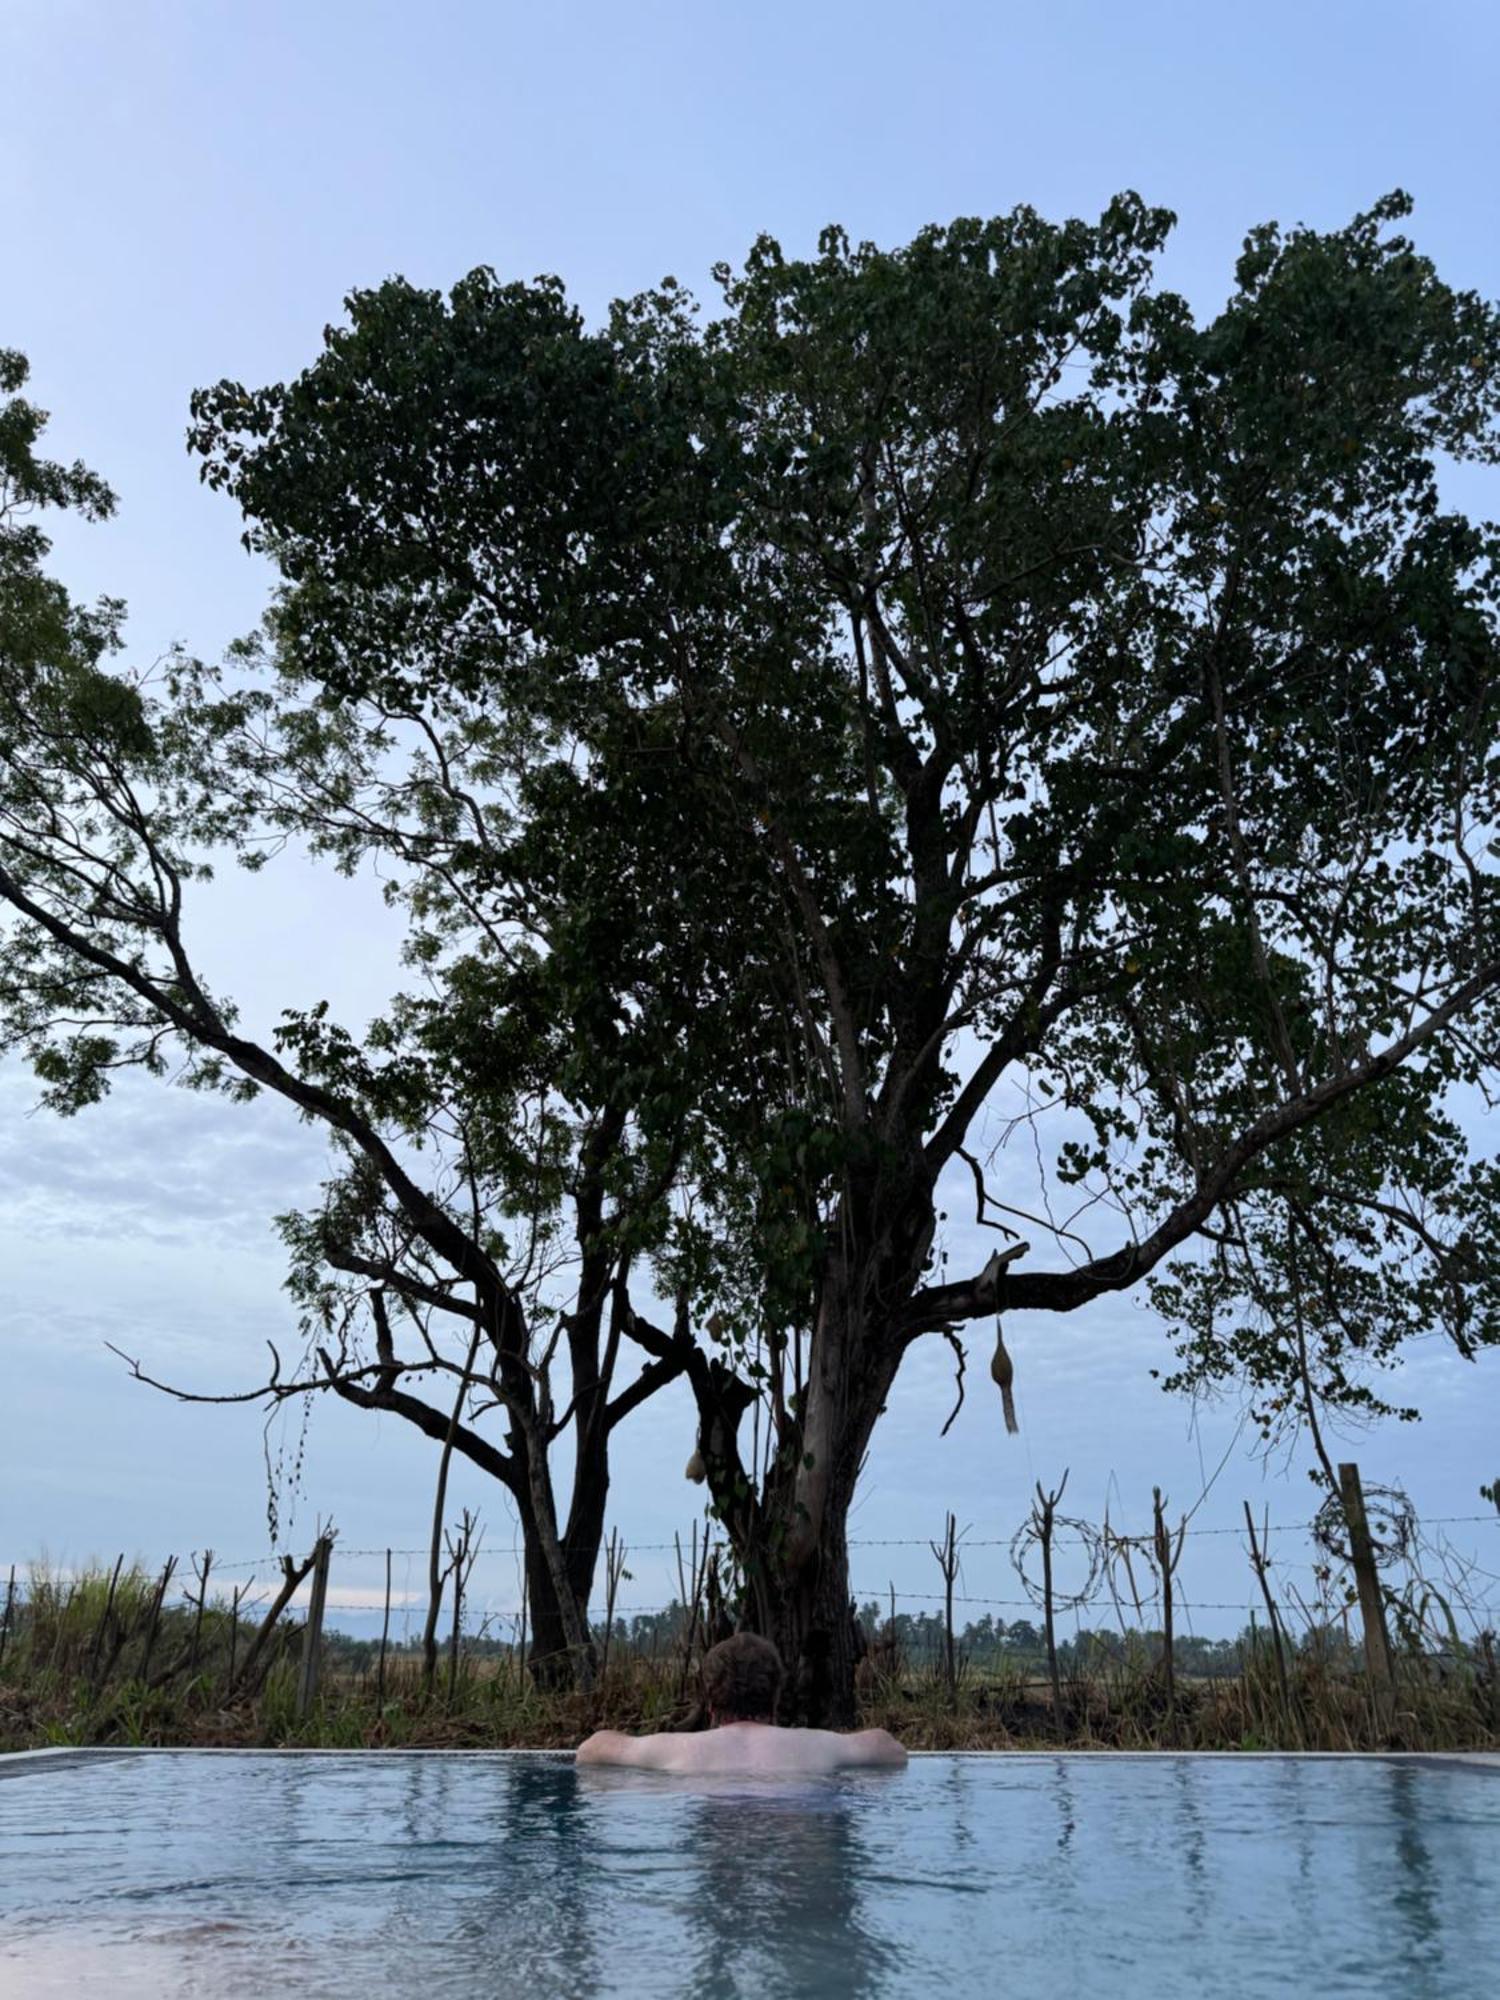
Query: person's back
741	1682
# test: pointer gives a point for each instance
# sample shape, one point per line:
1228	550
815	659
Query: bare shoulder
854	1750
610	1746
600	1748
874	1746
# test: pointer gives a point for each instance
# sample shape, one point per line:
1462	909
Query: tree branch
205	1029
438	1424
655	1375
1062	1291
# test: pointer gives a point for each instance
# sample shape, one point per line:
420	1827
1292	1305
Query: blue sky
190	191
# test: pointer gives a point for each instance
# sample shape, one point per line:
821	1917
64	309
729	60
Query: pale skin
736	1748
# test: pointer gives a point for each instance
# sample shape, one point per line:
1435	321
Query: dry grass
1241	1712
89	1660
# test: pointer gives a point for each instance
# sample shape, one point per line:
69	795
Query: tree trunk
813	1627
791	1541
583	1537
552	1660
800	1587
563	1651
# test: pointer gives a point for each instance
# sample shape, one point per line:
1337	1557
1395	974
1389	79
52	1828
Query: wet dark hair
742	1678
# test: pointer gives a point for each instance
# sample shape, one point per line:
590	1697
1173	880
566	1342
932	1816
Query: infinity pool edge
17	1763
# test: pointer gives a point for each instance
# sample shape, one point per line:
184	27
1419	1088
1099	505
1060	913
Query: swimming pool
332	1875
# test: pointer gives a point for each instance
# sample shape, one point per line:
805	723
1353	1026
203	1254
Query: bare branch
936	1308
962	1359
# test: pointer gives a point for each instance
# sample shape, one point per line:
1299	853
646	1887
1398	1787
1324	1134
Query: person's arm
875	1747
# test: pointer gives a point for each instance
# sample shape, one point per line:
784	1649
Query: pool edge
18	1763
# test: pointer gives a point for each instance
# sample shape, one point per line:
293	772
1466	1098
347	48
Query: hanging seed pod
1003	1374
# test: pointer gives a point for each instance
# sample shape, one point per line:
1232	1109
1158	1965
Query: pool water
170	1875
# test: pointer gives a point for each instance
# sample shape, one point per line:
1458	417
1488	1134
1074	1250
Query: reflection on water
1416	1893
491	1876
757	1886
778	1871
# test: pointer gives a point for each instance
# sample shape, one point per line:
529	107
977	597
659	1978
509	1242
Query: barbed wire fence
1101	1565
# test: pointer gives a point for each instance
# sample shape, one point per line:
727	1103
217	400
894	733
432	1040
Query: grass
99	1658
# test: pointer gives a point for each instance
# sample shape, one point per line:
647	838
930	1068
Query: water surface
1036	1876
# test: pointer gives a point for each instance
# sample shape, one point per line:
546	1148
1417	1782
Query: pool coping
17	1763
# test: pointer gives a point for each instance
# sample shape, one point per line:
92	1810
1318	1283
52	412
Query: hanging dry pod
1002	1374
696	1470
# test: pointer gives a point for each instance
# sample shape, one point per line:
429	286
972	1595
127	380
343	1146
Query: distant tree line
914	1642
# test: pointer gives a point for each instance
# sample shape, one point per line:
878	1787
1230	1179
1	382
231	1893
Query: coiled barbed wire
1392	1521
1085	1535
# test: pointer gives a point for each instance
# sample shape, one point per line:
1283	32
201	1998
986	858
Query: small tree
507	1138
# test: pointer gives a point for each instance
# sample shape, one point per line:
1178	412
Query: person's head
742	1679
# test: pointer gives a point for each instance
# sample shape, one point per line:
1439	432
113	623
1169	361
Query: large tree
1063	696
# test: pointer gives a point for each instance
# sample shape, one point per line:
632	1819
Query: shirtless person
741	1680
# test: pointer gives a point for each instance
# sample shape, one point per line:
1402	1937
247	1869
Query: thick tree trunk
856	1353
555	1659
791	1541
549	1658
799	1591
813	1627
583	1536
559	1566
559	1570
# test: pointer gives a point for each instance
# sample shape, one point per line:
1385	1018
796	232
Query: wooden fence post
946	1554
1260	1562
385	1633
100	1629
312	1631
292	1574
521	1644
202	1576
691	1578
1367	1581
153	1616
10	1598
614	1569
1043	1514
1167	1558
462	1552
234	1629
